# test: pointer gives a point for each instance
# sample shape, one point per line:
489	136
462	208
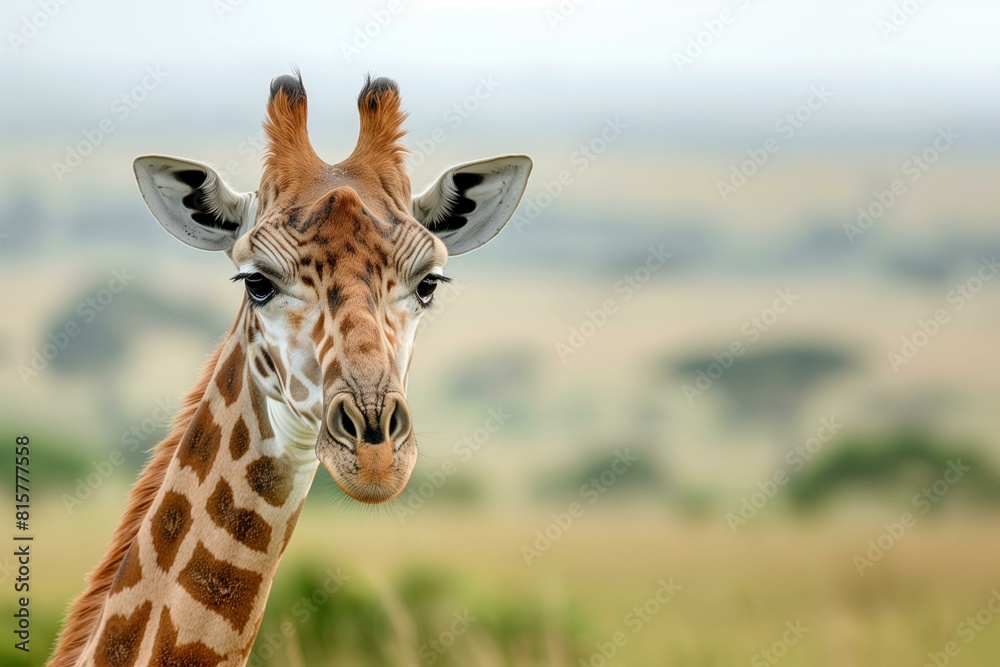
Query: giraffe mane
85	611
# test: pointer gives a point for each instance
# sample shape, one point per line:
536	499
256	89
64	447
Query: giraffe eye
425	290
259	289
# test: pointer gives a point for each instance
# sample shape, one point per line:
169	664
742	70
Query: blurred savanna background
724	392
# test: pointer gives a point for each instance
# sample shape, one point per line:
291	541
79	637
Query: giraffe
338	262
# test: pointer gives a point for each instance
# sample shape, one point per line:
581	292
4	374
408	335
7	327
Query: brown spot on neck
201	443
245	525
122	636
129	572
169	526
167	652
271	479
239	440
225	589
229	377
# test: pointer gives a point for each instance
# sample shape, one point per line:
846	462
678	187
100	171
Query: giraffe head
338	261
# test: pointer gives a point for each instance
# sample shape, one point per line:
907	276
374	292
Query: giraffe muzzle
369	452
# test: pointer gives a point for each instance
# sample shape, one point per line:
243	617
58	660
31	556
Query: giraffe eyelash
433	279
255	281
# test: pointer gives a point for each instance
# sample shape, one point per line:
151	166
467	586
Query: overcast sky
568	54
898	70
772	37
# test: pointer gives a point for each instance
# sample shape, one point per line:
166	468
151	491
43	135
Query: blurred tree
770	386
60	457
910	462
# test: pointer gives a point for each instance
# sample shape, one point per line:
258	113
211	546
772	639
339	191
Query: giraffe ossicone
338	262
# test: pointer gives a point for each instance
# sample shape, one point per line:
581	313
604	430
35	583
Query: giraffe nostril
399	420
347	425
344	421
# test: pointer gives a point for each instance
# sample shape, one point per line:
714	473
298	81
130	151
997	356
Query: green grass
371	591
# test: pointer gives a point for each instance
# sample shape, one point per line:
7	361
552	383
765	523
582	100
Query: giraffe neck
192	584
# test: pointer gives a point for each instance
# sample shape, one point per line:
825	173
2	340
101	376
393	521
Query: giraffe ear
192	202
469	204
